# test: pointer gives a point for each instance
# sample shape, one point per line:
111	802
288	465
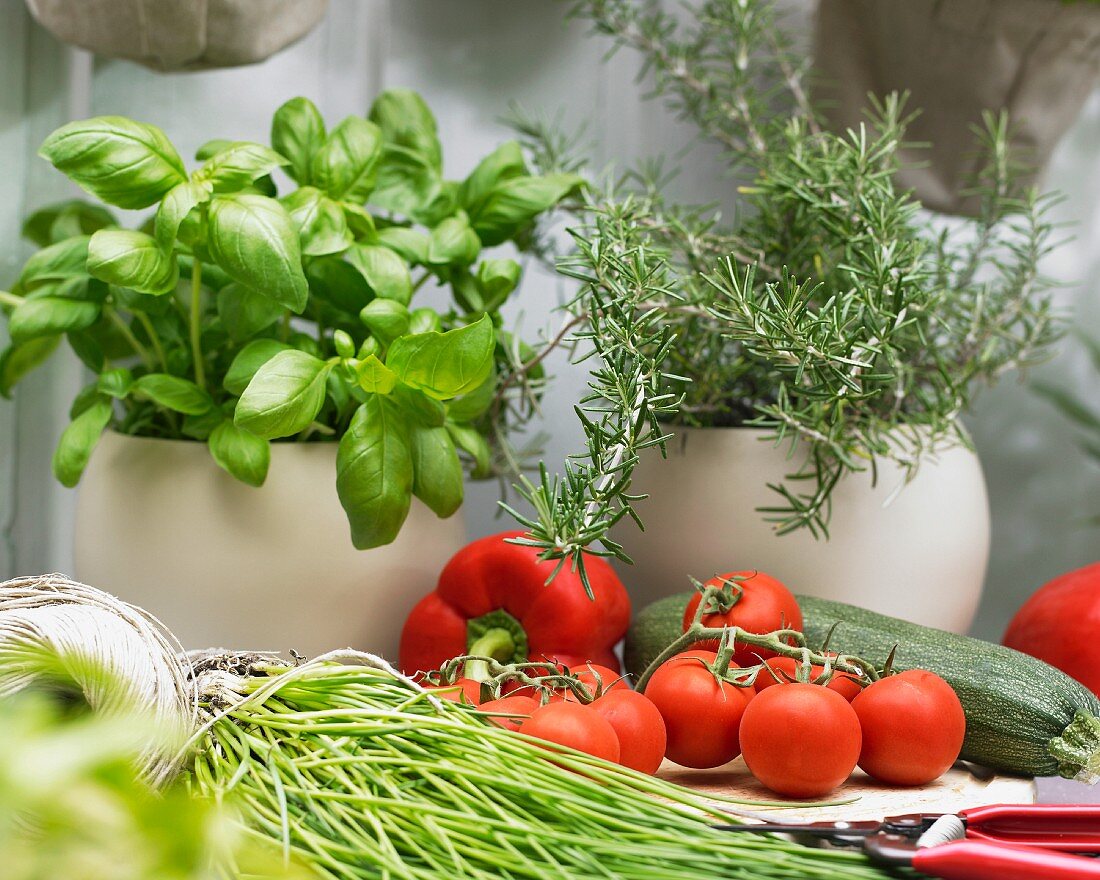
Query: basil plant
237	315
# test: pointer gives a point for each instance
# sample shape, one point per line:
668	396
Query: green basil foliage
238	315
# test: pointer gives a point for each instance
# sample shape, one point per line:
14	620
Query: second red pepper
492	599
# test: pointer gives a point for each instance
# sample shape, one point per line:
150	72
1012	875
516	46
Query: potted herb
1039	60
804	369
260	361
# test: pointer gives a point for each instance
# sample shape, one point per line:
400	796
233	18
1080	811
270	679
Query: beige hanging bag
1038	59
180	34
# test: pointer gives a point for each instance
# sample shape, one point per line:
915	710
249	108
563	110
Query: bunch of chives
355	772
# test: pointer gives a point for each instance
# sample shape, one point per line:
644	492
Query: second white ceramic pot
223	564
922	556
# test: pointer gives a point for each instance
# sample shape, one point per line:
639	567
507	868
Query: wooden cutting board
956	790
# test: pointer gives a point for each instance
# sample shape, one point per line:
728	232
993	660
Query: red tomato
574	726
516	705
1059	624
843	684
464	690
765	606
800	740
913	727
639	726
701	714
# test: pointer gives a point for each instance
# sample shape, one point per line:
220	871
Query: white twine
124	661
121	659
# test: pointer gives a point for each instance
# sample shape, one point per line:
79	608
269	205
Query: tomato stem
493	675
784	642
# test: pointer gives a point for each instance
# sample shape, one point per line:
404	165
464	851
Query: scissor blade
831	830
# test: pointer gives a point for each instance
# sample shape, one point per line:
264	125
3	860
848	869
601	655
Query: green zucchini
1022	715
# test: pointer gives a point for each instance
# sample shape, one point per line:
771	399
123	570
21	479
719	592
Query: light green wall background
470	58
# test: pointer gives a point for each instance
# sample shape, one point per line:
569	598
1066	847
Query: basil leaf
504	163
212	148
55	223
375	377
407	182
85	398
443	204
241	453
78	441
297	132
58	262
174	208
453	242
496	279
513	204
19	359
445	365
105	341
245	312
437	472
360	222
374	473
253	239
418	408
346	165
131	300
424	320
465	291
238	164
125	163
87	348
80	287
115	383
385	272
406	121
386	319
132	259
474	404
174	393
50	316
284	396
339	283
410	245
321	223
248	360
470	441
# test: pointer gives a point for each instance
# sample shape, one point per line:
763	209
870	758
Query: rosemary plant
833	313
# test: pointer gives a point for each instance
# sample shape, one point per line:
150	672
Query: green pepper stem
496	643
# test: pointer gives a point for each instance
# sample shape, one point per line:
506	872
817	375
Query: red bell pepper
492	599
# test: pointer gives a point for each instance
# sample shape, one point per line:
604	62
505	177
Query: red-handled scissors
995	842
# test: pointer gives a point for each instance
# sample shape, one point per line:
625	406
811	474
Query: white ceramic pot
223	564
921	557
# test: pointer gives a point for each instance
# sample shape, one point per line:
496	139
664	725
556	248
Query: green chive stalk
356	772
